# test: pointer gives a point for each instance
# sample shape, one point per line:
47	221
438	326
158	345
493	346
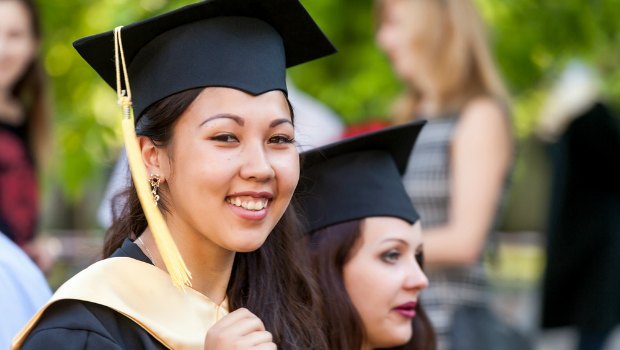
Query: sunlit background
533	41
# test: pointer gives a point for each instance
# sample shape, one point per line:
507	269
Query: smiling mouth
248	203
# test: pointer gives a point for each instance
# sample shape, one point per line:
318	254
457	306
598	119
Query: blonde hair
456	57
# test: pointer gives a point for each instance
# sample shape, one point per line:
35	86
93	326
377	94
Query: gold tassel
178	271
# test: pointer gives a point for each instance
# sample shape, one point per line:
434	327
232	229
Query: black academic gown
581	286
74	324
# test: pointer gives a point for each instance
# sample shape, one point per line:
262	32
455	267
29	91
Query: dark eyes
225	138
18	34
228	138
281	139
391	256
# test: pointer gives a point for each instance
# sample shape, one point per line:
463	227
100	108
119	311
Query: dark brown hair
30	90
330	249
274	282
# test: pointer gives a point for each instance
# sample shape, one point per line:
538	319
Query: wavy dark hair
330	249
31	91
274	282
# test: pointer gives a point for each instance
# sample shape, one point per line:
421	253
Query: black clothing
75	324
582	278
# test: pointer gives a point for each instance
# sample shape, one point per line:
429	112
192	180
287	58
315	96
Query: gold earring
155	180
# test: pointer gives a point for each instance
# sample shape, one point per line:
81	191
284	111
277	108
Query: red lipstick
406	310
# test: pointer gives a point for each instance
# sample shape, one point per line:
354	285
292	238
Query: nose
416	278
256	165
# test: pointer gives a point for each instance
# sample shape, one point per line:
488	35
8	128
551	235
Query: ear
154	158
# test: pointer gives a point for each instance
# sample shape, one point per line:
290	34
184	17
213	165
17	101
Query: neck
429	106
10	109
210	265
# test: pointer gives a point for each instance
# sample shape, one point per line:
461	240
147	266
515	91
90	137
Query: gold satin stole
146	295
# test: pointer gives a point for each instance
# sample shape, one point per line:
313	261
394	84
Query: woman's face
230	168
17	42
384	280
395	37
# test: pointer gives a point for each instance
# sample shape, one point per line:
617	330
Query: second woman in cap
366	242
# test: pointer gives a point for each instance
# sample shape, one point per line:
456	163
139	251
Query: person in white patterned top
458	170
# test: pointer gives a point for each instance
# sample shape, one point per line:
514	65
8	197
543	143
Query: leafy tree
532	40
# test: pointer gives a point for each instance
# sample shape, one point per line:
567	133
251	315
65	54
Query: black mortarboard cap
242	44
357	178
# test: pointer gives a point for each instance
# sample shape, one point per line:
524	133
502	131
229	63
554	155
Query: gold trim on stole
146	295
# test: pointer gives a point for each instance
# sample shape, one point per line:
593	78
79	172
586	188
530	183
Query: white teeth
256	204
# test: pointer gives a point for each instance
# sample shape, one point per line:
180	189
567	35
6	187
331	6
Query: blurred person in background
458	170
23	290
363	232
23	124
584	217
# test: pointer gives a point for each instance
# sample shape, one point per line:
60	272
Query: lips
406	310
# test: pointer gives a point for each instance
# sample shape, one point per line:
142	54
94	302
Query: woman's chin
247	246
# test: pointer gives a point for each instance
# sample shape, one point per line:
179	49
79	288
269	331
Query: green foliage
85	118
357	82
532	40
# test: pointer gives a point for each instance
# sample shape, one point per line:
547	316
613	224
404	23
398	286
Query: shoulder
75	324
21	279
483	118
484	111
71	324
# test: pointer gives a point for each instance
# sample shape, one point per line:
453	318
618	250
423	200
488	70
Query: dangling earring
155	180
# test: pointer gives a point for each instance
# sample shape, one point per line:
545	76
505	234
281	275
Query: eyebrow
395	240
237	119
277	122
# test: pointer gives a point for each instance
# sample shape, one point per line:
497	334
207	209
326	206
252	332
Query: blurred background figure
581	285
23	290
458	169
23	124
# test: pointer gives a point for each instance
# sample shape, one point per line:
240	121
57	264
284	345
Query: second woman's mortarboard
242	44
357	178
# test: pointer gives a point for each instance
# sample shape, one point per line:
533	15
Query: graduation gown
581	286
123	302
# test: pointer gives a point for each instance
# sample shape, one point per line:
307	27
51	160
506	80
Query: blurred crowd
465	176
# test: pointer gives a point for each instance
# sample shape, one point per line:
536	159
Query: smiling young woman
215	141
